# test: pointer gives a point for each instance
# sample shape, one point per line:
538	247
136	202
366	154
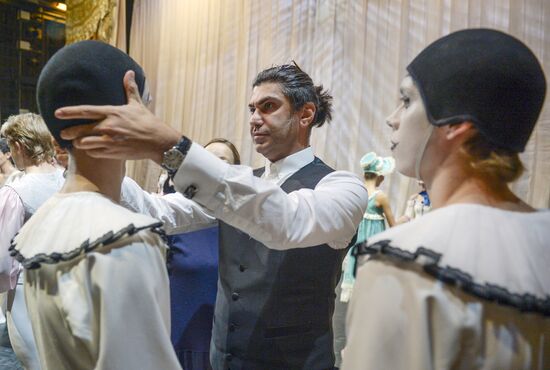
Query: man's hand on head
129	131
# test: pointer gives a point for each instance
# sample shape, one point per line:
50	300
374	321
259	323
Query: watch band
183	145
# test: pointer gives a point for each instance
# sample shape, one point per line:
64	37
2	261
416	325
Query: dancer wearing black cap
466	286
96	284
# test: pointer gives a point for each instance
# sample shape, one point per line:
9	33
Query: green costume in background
373	222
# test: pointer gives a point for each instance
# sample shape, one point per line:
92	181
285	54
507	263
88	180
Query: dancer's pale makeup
411	129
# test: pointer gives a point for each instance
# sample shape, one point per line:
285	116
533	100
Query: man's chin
260	145
260	149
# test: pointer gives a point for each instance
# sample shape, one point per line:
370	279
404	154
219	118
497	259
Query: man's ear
459	129
307	114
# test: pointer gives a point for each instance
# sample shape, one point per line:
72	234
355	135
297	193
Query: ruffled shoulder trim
429	260
87	246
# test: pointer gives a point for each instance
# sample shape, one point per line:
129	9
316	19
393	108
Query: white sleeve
178	213
328	214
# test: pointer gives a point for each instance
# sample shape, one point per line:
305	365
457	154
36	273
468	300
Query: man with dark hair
284	228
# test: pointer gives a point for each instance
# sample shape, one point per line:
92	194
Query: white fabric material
201	57
416	207
108	308
278	172
20	329
11	178
32	190
74	206
402	318
327	214
35	188
505	248
178	213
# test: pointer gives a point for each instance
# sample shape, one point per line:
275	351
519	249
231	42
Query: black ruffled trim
429	260
170	251
87	246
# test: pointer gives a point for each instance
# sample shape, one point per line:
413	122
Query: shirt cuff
200	177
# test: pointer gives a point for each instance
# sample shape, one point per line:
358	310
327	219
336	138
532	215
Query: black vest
274	308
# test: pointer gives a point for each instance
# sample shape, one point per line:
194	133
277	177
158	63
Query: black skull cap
87	72
483	76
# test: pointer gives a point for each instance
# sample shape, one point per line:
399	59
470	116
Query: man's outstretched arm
328	214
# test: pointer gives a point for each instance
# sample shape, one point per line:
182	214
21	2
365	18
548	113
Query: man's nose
255	119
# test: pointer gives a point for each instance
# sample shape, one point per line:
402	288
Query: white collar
495	246
284	168
40	235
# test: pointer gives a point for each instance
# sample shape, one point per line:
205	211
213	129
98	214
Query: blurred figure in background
7	169
224	150
32	151
374	221
417	205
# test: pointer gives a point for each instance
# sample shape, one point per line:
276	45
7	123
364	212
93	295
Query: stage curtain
202	55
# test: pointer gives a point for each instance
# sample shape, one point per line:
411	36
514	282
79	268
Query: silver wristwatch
173	158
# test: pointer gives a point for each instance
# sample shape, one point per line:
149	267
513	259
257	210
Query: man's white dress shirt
327	214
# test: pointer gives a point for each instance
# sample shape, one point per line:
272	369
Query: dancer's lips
393	145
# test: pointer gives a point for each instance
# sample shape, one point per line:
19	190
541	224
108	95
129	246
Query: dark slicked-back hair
299	89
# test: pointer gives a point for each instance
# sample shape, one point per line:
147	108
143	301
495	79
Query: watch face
172	159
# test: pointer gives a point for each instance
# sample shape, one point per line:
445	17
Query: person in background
32	152
164	184
7	167
193	272
467	285
374	221
96	284
417	205
221	148
224	150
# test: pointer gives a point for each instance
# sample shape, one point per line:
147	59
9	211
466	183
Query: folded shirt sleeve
327	214
178	213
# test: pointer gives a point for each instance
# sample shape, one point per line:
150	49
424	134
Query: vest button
229	357
235	296
242	268
232	327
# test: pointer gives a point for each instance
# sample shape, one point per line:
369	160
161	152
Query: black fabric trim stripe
87	246
429	260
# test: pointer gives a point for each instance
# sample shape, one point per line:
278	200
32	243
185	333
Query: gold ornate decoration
90	20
